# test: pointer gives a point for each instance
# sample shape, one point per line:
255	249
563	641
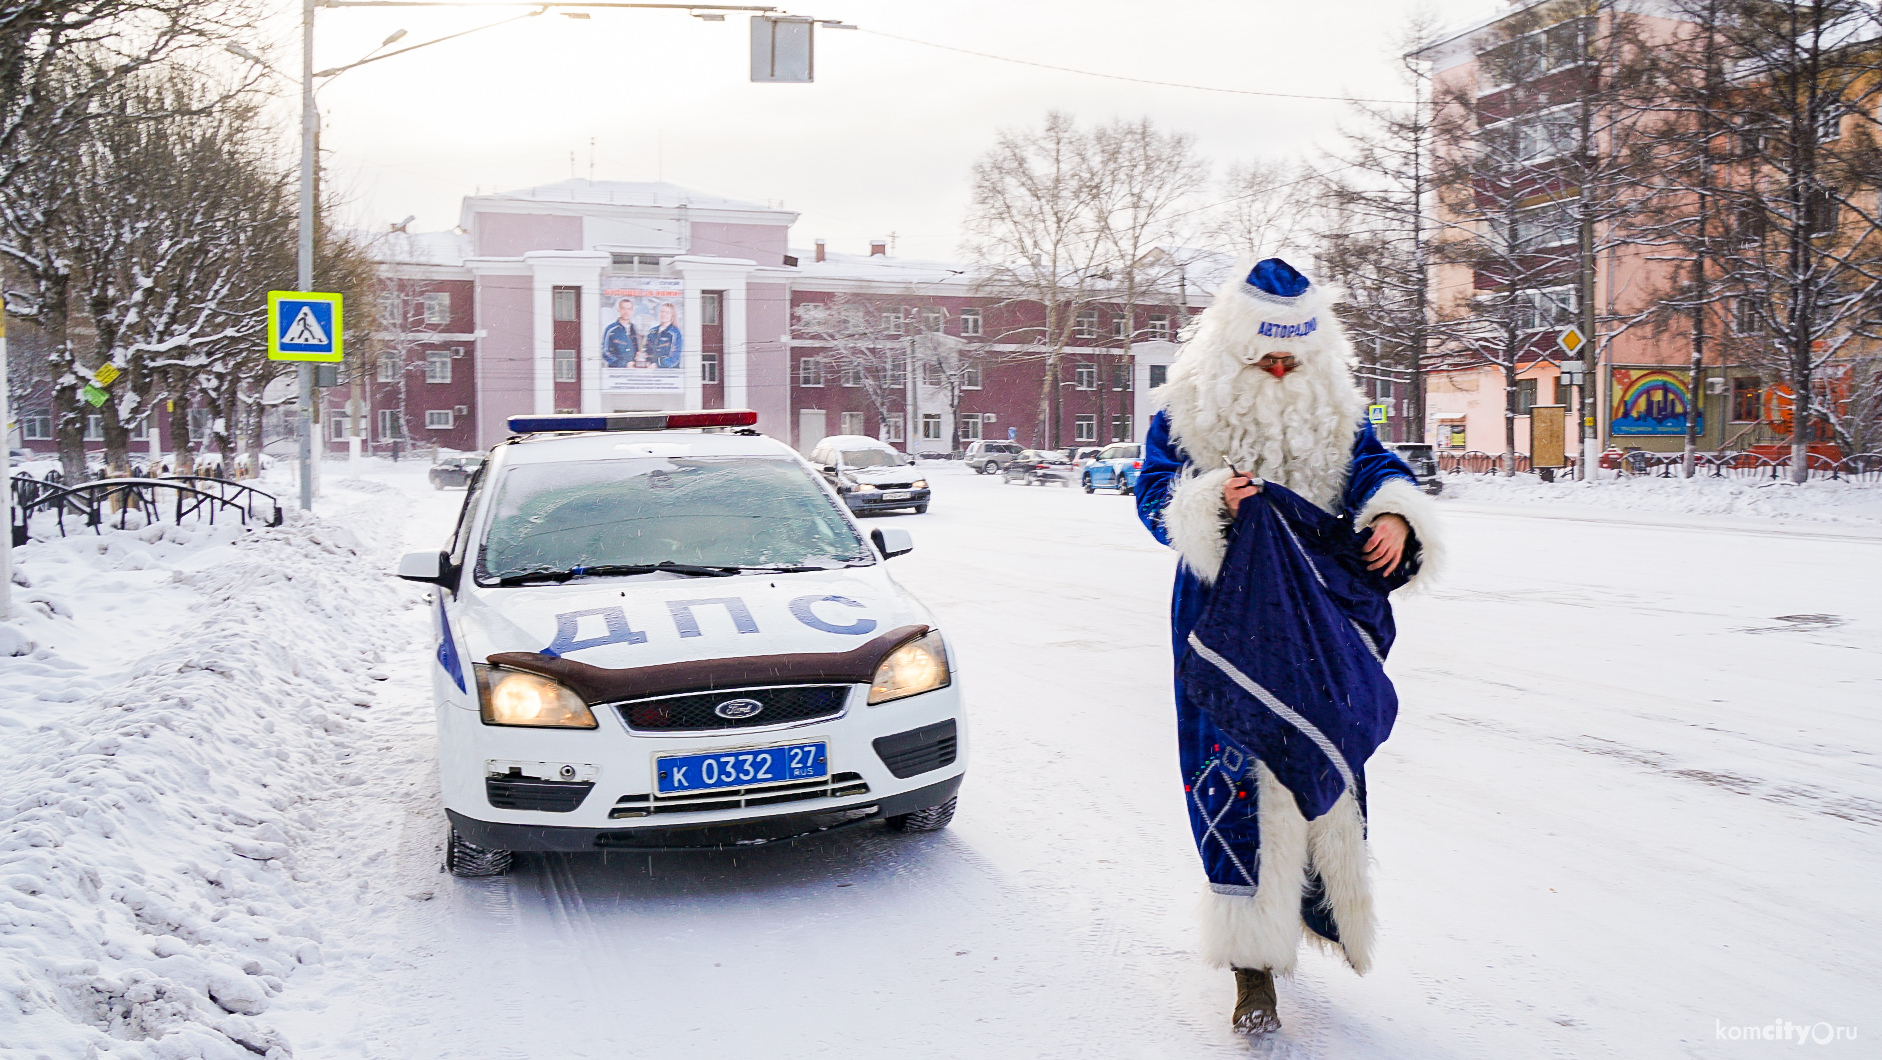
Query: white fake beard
1296	431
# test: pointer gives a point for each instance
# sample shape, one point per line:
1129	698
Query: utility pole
304	278
6	480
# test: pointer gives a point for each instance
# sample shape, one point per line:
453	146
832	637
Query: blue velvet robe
1218	770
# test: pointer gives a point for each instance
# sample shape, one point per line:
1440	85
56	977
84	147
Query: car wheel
921	509
932	819
1125	489
1086	482
469	861
435	484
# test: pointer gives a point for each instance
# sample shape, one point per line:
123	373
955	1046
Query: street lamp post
304	278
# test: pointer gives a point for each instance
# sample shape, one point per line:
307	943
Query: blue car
1115	469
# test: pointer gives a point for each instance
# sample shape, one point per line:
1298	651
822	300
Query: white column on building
542	347
692	333
732	312
594	318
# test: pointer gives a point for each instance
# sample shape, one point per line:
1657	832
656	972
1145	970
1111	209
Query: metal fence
1861	468
112	502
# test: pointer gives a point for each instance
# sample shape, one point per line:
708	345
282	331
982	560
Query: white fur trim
1296	430
1337	842
1197	519
1400	497
1262	930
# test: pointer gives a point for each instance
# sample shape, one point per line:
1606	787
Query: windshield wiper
615	570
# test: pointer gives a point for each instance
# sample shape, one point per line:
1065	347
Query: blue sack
1289	656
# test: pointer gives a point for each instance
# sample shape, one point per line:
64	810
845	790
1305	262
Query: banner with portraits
642	344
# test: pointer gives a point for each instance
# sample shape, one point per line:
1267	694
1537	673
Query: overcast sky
881	143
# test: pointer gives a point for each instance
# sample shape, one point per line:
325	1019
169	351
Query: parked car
1423	461
1040	467
653	637
1115	469
454	469
871	475
987	457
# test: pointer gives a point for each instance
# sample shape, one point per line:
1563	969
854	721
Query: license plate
896	495
676	774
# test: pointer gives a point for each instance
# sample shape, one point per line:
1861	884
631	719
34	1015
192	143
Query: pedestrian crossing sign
1378	413
304	326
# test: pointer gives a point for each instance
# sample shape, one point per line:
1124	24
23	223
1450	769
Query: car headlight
512	697
919	666
864	487
920	484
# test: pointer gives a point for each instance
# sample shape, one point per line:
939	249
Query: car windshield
737	511
871	458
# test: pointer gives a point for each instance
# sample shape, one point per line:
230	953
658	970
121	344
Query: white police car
656	633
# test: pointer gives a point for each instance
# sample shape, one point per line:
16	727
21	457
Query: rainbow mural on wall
1650	402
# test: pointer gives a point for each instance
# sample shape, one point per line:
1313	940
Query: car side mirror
829	469
892	543
429	567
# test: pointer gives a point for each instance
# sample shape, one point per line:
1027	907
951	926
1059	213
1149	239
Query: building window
1085	324
1120	327
893	321
1830	121
1747	399
1120	428
932	319
970	377
1160	327
1085	428
1553	225
1745	317
563	303
1085	376
201	422
970	426
970	322
389	368
1159	373
336	424
565	366
391	424
931	375
392	310
931	426
892	429
708	367
852	423
850	376
1120	377
438	419
36	428
95	427
1525	396
1820	210
1541	308
898	374
635	264
709	307
810	371
437	307
438	366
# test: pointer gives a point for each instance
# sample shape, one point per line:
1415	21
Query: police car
663	630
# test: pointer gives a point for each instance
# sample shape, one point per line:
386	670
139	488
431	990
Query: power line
1133	80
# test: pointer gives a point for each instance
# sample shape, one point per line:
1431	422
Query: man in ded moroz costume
1293	525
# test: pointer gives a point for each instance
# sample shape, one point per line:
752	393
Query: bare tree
865	342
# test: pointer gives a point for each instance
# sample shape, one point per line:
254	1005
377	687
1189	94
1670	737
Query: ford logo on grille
737	709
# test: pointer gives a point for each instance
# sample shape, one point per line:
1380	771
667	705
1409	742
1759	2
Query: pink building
600	296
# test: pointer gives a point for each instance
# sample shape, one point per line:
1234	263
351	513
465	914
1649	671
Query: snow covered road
1633	803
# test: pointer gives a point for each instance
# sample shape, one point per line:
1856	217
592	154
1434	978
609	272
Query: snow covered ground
1817	501
1633	805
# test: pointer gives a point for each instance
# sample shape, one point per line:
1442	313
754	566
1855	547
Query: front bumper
874	501
492	835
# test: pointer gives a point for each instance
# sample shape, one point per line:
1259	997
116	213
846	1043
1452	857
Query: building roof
582	192
448	248
878	269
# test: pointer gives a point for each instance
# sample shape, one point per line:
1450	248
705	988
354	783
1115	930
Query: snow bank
151	898
1816	501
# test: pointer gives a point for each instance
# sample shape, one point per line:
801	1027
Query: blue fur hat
1278	279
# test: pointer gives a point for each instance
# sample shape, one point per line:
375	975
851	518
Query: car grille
836	786
918	750
527	793
693	711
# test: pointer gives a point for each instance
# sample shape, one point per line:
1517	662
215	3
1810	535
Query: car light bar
633	421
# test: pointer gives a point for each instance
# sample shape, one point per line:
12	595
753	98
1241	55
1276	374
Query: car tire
1125	489
921	509
468	861
931	819
1086	482
989	467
